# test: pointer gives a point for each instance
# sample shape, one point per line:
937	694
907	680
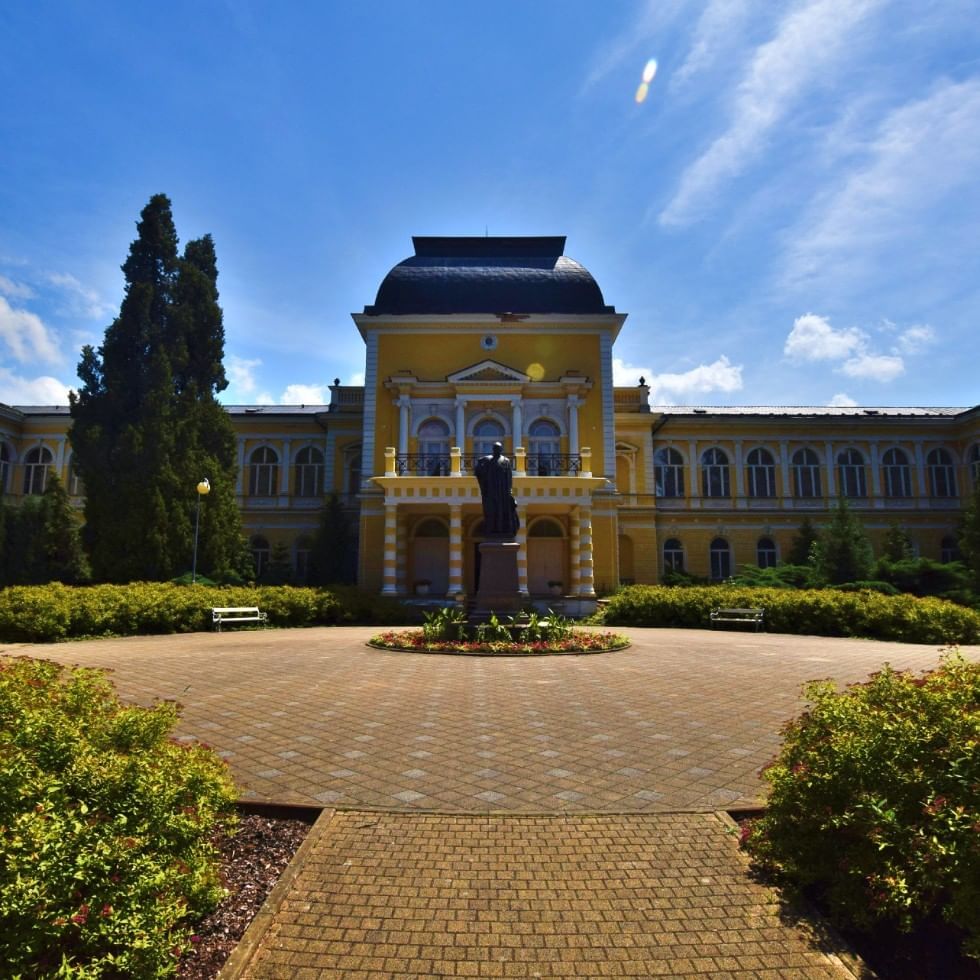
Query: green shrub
43	613
868	585
820	612
106	828
875	799
776	577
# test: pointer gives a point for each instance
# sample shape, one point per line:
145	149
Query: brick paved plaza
504	816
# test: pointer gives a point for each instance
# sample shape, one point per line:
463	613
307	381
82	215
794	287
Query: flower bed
576	641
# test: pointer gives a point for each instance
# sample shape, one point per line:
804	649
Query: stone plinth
498	591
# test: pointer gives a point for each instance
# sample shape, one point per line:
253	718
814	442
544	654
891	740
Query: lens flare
649	71
641	93
535	371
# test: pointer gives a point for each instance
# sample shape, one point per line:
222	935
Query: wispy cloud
44	390
25	335
916	339
924	152
807	44
874	367
15	290
297	394
720	22
668	388
81	300
243	385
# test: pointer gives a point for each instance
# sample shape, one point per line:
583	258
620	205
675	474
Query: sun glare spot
649	71
535	371
641	92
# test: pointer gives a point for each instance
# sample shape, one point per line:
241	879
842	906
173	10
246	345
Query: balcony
535	464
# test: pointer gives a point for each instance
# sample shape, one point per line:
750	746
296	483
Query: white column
574	553
739	475
573	403
461	425
694	468
831	482
920	471
455	549
401	551
389	584
587	578
517	423
403	422
876	476
521	539
285	468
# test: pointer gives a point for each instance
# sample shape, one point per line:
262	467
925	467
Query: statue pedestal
498	591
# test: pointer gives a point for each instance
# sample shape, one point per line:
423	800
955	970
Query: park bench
237	614
740	617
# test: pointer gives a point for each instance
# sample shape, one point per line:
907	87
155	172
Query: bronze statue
494	475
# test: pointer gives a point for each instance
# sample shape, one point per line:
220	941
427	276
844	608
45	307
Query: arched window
434	448
352	463
806	474
75	486
37	462
765	553
309	473
761	471
263	473
260	554
544	448
715	480
673	555
544	528
721	559
897	473
668	470
431	528
850	469
5	457
975	463
485	433
949	550
942	478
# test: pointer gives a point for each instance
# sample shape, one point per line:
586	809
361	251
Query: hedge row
42	613
819	612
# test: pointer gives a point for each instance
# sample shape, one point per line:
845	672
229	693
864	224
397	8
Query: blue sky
789	217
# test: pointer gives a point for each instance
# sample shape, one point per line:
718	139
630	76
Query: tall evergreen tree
969	536
146	424
897	545
843	552
60	544
801	547
333	546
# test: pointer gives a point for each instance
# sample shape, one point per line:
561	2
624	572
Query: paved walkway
572	825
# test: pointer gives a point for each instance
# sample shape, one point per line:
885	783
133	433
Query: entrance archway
546	555
430	555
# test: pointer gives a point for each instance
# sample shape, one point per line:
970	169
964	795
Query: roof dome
488	275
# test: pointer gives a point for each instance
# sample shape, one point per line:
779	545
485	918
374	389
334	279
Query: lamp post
203	489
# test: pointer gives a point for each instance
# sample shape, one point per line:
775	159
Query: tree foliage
969	536
802	545
898	544
331	558
146	423
843	553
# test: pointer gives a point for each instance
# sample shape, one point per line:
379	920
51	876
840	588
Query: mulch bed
252	862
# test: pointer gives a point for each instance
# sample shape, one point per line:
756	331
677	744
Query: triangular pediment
488	371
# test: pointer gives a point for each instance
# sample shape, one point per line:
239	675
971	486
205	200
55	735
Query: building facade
471	341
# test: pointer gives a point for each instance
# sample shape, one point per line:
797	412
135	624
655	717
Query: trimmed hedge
43	613
817	612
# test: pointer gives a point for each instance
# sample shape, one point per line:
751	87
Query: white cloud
915	339
82	300
814	339
924	153
719	22
305	395
44	390
26	336
241	374
808	41
875	367
625	375
15	290
840	400
357	378
721	375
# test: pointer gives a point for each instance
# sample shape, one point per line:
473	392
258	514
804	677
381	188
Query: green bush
820	612
875	799
42	613
106	828
776	577
869	585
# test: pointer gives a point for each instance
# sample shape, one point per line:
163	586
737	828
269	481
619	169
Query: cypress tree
146	424
802	544
61	543
843	552
333	546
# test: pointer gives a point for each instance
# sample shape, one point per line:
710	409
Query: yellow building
476	340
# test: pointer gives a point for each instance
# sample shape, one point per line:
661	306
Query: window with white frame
761	473
75	486
485	433
852	478
434	448
263	472
352	466
897	474
37	463
260	554
715	478
673	555
975	463
721	559
308	481
806	474
668	472
942	476
765	553
543	449
5	459
949	550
